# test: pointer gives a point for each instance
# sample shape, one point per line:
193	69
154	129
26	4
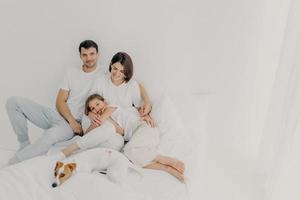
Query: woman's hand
148	119
145	109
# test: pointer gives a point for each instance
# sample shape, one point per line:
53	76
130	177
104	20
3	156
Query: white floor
231	179
223	178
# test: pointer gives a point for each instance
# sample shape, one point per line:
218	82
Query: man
60	124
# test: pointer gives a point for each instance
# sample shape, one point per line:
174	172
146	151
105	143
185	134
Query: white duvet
32	179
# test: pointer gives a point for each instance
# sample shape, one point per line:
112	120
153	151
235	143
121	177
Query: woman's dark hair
88	44
89	99
125	60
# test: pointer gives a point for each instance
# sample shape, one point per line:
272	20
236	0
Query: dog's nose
54	184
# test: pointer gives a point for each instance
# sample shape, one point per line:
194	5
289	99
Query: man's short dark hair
125	60
88	44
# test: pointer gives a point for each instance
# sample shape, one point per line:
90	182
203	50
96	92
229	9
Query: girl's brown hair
89	99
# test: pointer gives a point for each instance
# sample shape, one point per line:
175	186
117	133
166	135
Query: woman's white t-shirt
125	95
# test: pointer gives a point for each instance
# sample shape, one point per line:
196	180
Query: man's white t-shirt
79	83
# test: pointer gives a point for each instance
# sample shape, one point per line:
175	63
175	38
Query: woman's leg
166	168
142	150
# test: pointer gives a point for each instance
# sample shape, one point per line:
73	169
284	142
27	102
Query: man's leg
20	110
43	144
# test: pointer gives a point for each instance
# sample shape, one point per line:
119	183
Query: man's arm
146	107
63	109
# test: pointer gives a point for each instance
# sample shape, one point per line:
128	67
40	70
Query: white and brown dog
113	162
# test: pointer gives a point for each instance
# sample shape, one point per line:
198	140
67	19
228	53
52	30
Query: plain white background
227	49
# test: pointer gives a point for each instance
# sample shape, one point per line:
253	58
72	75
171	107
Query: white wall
213	47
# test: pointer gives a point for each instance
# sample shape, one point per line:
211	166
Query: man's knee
12	102
59	133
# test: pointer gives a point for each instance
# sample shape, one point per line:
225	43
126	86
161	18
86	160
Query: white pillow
166	116
181	122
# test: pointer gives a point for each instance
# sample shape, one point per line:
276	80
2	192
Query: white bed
32	179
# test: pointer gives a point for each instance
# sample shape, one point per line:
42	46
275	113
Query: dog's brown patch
71	166
57	166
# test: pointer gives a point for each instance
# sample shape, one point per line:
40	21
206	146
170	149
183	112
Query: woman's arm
146	107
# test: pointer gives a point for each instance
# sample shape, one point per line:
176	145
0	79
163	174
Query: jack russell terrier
97	159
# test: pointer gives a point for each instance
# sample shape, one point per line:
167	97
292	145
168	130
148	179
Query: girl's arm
106	113
118	128
100	119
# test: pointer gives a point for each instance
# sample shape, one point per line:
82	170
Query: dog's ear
72	166
57	166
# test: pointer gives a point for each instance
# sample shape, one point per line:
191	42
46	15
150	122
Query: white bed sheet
32	179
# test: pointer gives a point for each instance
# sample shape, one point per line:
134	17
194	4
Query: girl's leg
166	168
70	149
173	162
96	137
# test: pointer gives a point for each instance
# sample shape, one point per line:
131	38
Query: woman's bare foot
176	173
159	166
178	165
173	162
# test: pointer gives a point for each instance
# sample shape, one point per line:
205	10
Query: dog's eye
61	175
55	173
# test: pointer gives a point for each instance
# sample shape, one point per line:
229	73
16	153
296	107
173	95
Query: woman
119	88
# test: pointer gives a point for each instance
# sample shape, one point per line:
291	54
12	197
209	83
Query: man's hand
148	119
76	127
145	109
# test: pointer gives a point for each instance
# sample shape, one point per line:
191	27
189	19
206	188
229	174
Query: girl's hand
95	119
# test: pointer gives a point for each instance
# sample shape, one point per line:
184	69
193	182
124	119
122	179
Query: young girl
109	134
